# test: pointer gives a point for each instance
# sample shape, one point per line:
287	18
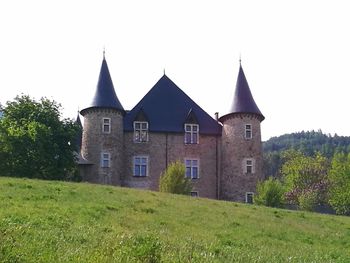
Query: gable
168	108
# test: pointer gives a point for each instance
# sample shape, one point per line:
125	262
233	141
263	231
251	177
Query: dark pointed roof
243	101
105	96
167	108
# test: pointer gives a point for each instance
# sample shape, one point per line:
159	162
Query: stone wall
95	142
165	148
235	149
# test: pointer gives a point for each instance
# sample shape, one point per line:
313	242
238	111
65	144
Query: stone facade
165	148
236	149
223	157
95	142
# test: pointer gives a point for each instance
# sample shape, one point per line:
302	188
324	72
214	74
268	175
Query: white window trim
198	165
109	125
251	131
141	122
191	125
134	163
246	197
244	164
105	159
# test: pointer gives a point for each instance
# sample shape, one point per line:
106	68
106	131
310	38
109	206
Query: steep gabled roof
243	101
105	96
167	107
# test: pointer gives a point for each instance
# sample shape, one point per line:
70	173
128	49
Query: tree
339	176
270	193
35	142
305	177
173	180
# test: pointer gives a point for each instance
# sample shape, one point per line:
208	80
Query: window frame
248	130
192	134
250	170
104	125
191	166
103	159
141	157
252	197
140	130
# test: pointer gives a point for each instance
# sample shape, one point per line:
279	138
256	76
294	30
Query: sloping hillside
44	221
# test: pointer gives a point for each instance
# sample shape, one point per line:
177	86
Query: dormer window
140	131
248	131
191	133
106	125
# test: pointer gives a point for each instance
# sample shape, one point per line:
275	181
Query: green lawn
46	221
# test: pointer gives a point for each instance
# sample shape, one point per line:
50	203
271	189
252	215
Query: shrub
173	180
308	201
270	193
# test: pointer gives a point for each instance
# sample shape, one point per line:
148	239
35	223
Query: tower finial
240	59
163	71
104	52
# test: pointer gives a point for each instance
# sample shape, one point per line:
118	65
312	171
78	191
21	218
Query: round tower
241	147
102	141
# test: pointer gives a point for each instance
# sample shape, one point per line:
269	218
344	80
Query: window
249	166
249	197
106	125
192	166
248	131
191	133
194	193
105	160
140	131
140	166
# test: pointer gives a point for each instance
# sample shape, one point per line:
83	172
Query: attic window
140	131
191	133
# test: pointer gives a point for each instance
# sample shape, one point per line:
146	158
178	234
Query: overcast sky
295	54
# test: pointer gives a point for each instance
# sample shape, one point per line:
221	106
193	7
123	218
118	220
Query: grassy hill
43	221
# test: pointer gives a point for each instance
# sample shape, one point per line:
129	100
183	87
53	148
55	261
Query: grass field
46	221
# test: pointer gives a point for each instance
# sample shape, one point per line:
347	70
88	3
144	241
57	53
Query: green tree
173	180
35	142
270	193
305	177
339	176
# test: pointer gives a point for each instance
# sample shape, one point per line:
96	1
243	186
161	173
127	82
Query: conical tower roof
243	101
105	96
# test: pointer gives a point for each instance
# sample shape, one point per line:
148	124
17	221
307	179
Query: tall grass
46	221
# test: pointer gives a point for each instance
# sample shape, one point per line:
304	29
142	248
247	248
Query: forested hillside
309	143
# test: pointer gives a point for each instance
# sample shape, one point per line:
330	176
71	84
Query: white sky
295	54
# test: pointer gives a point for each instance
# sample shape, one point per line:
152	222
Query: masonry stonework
220	147
95	142
236	149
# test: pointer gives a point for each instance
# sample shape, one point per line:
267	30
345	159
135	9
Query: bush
270	193
173	180
308	201
339	176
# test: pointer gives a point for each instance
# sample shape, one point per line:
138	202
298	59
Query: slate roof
105	96
167	108
243	101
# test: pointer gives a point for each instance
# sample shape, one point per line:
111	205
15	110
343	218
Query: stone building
222	156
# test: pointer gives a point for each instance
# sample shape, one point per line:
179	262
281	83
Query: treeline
309	143
35	142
